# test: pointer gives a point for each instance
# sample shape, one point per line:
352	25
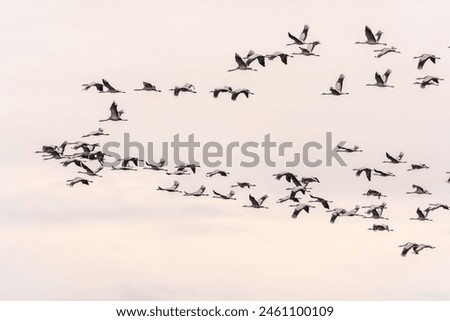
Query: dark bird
384	51
243	185
371	38
419	190
235	93
110	89
257	203
424	58
158	166
408	246
417	166
283	56
97	85
380	227
71	182
173	188
381	81
217	172
300	40
372	192
241	64
382	174
229	196
325	203
147	87
98	132
252	56
90	172
308	51
300	207
337	90
224	89
343	149
199	192
420	216
394	160
187	87
115	115
367	171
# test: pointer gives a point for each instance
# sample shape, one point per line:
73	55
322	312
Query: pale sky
120	239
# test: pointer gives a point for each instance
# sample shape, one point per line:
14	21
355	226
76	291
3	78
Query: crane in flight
187	87
337	89
241	64
424	58
381	81
146	86
300	40
228	196
371	38
171	189
384	51
419	190
115	115
257	203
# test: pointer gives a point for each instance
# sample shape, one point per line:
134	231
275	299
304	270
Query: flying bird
98	132
172	189
343	149
420	216
283	56
187	87
243	185
217	172
257	203
419	190
384	51
417	166
97	85
325	203
394	160
371	38
90	172
380	227
252	56
337	90
367	171
158	166
382	174
235	93
228	196
147	87
110	89
372	192
115	115
76	180
217	91
300	40
381	81
241	64
300	207
199	192
308	51
424	58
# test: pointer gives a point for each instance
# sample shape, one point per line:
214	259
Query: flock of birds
90	152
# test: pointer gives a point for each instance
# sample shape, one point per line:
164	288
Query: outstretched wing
113	109
262	199
108	85
304	33
340	83
239	60
253	200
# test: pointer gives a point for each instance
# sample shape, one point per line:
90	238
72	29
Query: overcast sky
121	239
